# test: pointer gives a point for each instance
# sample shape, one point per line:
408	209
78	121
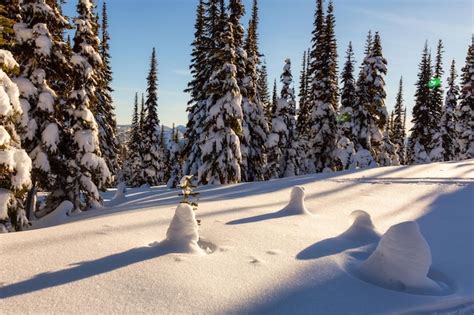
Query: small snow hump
296	204
401	261
182	235
362	228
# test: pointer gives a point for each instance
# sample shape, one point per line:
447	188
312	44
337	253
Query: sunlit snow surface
260	259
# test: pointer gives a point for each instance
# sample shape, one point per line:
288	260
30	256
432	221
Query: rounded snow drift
296	204
182	235
402	262
362	228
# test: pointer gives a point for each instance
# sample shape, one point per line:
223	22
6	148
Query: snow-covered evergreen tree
303	113
274	100
219	141
42	55
197	104
346	132
263	91
398	133
387	155
105	112
15	165
421	135
449	119
154	162
134	162
465	112
176	169
283	159
87	171
324	93
254	124
377	112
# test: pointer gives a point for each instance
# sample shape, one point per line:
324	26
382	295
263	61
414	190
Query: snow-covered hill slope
261	259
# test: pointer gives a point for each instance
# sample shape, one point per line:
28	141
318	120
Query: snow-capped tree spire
219	141
465	113
134	159
87	170
154	167
398	127
282	145
324	92
105	113
197	103
421	136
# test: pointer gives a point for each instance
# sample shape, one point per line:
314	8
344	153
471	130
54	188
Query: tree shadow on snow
261	217
81	271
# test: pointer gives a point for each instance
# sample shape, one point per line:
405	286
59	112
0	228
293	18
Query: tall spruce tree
176	168
283	148
274	99
346	139
219	141
377	112
465	112
303	96
15	164
436	150
398	126
134	162
262	87
254	124
154	163
324	92
87	171
421	135
105	112
197	103
448	119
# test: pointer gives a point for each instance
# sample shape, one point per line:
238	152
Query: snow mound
401	261
362	228
296	204
58	216
182	235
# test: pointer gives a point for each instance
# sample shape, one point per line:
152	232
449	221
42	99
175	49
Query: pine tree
448	131
43	63
153	159
398	126
15	165
86	169
465	112
254	124
105	112
303	113
197	104
274	99
346	132
421	136
262	87
176	169
219	142
348	95
134	162
324	92
377	112
283	148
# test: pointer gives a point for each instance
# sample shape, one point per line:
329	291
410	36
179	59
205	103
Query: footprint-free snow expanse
262	257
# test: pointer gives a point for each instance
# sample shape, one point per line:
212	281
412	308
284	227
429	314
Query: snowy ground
263	260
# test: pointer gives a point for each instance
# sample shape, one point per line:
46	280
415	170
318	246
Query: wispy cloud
416	23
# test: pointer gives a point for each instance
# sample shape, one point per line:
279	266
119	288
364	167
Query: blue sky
285	32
